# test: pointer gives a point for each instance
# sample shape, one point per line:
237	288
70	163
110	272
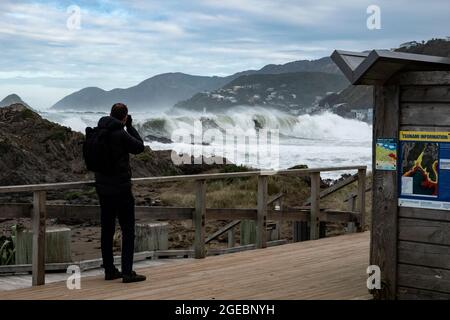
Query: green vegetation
58	133
145	156
7	247
27	113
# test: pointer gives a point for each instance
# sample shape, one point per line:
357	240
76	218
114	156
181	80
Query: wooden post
248	232
315	205
231	237
57	246
384	223
199	219
38	220
261	222
151	236
351	226
362	196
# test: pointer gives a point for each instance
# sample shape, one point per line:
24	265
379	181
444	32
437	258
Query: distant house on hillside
409	44
362	114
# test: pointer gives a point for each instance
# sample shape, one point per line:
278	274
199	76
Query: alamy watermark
374	19
233	145
73	22
74	280
374	279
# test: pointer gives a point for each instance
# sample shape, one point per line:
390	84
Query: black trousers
118	206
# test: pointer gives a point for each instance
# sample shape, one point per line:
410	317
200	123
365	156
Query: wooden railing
313	214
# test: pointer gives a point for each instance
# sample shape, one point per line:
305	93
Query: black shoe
133	277
113	275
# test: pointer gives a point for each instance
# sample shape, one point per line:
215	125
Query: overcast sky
44	56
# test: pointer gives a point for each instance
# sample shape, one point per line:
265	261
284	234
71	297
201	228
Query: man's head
120	112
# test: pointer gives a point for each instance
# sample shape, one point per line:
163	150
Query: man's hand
129	121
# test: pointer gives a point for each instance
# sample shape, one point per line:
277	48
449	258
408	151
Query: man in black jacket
115	195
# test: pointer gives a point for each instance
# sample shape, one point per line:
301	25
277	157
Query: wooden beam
335	187
315	205
231	213
231	237
383	252
362	196
275	197
200	219
221	231
192	177
261	221
38	221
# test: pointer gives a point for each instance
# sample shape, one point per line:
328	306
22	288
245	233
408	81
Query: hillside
165	90
157	92
361	97
284	91
35	150
13	99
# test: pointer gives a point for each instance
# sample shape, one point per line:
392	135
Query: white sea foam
315	140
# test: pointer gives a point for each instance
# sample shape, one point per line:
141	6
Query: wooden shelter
410	235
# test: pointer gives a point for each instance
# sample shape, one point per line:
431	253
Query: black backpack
97	151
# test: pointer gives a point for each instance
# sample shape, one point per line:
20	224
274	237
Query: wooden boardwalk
330	268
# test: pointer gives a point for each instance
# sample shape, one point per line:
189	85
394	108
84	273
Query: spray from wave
324	126
319	140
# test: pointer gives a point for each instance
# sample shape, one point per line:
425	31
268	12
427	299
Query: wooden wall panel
423	254
424	278
425	93
425	114
433	232
405	293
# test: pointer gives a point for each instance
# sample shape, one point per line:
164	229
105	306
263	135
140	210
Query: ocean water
322	140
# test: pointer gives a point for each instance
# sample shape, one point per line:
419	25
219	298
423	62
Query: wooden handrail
199	213
192	177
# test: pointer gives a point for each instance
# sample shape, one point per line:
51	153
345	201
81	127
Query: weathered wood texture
384	191
330	268
425	93
433	232
57	246
162	179
424	234
362	196
247	232
335	187
405	293
315	206
151	236
422	78
426	214
200	219
38	254
425	114
424	278
261	220
423	254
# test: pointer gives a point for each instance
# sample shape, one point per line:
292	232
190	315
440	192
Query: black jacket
123	143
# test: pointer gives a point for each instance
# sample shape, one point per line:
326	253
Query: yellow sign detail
424	136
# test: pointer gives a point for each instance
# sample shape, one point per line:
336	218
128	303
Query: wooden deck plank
330	268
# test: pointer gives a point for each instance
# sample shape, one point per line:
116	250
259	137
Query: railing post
261	221
231	237
362	196
38	253
200	219
351	226
315	205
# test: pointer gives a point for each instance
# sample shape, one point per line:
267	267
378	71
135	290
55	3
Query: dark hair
119	111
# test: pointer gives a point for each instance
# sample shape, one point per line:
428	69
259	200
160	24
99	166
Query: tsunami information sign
424	169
